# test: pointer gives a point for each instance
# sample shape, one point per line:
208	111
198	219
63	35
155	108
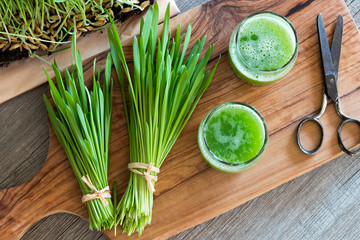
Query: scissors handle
317	121
345	121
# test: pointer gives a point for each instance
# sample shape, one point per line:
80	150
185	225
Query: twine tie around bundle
146	175
100	194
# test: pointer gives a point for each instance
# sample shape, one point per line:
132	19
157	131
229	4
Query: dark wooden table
323	204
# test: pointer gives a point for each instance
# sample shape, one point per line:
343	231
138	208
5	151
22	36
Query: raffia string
146	175
100	194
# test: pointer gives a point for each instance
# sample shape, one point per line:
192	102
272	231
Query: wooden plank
286	212
195	175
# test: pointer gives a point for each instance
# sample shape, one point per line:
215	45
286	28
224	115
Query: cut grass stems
82	123
163	93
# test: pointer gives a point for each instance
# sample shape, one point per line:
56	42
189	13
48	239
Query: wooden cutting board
189	191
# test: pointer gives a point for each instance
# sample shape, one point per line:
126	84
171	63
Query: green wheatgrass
164	90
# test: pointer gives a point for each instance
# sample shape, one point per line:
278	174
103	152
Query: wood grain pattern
193	174
22	157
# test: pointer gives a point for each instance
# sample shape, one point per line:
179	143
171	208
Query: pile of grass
44	24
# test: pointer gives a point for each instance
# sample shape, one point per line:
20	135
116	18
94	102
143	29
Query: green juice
263	48
232	137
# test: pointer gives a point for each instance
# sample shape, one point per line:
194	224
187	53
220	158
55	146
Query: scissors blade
324	47
330	76
336	44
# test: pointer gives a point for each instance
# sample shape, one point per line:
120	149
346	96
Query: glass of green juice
232	137
263	48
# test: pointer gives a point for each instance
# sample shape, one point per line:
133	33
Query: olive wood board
189	191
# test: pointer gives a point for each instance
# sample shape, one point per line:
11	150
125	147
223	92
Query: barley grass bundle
164	90
82	123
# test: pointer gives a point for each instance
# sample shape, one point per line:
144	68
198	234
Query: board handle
52	190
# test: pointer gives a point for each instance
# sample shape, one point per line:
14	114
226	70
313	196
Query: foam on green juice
235	134
266	43
263	42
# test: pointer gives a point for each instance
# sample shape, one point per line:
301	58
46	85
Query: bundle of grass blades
82	123
163	93
30	25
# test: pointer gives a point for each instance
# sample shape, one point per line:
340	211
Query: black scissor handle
317	121
342	145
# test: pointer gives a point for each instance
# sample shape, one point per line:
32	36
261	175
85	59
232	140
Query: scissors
330	62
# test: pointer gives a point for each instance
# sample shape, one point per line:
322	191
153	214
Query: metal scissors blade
330	66
336	44
324	47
